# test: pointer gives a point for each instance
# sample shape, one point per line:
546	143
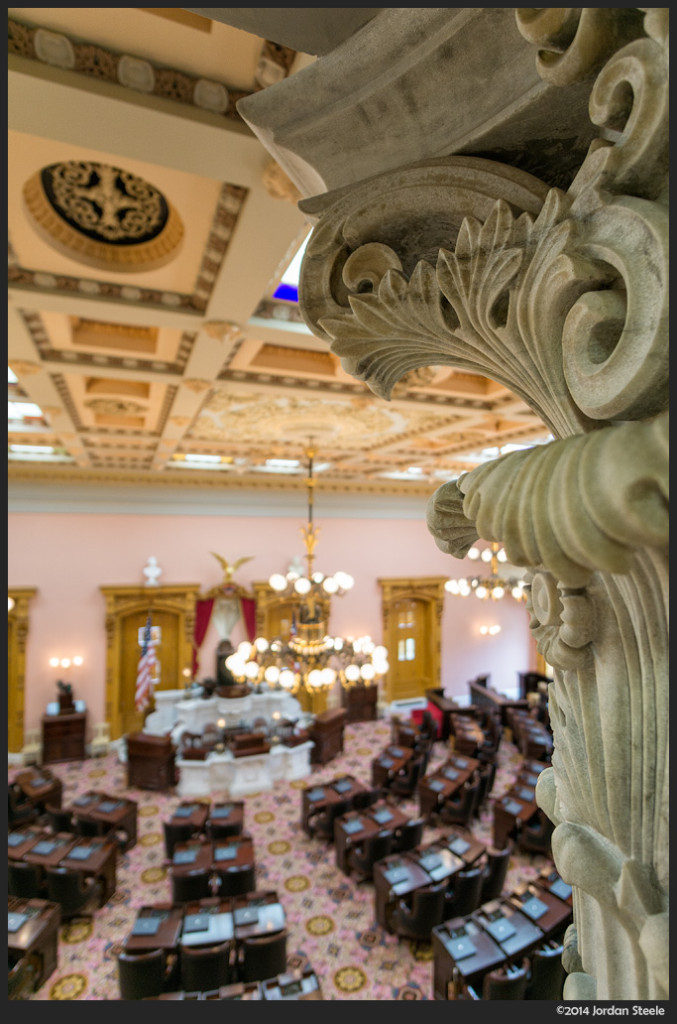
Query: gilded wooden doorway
412	616
172	608
17	631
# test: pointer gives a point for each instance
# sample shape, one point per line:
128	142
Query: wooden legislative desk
191	812
352	828
326	732
360	703
515	932
387	764
117	814
316	798
151	761
552	914
40	786
33	933
436	787
96	858
462	954
400	874
510	813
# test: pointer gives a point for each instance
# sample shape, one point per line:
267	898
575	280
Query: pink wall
68	557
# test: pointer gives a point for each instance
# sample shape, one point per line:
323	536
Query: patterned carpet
330	918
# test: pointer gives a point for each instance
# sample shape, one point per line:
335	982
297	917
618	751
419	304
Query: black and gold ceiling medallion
103	216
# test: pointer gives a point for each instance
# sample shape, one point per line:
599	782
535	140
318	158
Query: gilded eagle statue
228	569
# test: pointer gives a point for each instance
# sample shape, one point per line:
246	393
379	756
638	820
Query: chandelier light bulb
292	575
338	643
317	577
352	673
486	555
287	679
302	585
474	553
367	671
344	580
315	678
497	593
501	555
481	591
244	649
330	585
328	676
261	644
272	674
379	653
251	670
517	592
278	582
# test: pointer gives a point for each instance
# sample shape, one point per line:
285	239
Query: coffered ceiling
148	232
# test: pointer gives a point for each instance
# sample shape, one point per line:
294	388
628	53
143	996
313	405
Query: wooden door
412	614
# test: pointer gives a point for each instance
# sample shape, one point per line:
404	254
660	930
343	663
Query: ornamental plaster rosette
561	296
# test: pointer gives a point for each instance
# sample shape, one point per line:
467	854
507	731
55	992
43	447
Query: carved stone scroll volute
562	297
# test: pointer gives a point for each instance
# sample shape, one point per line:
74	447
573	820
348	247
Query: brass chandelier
492	586
310	658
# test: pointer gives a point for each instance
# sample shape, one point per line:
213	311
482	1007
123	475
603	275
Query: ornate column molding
562	296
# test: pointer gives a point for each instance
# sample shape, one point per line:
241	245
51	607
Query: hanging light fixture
310	658
491	586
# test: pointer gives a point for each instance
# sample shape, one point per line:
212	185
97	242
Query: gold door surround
172	608
274	618
411	609
17	631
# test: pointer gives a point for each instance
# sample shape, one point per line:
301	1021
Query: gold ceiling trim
149	255
212	480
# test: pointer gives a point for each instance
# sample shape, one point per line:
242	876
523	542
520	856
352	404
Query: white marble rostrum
489	192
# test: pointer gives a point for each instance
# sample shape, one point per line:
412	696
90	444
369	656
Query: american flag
144	675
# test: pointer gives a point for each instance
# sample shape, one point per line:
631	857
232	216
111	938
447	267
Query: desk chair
534	836
205	967
464	893
416	921
508	981
367	798
20	810
193	885
546	975
84	826
78	895
404	784
360	859
234	880
145	975
459	808
494	872
24	879
24	972
487	775
262	956
216	828
60	818
176	833
321	824
409	835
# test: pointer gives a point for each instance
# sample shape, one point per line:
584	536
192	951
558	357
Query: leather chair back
23	879
205	967
72	890
494	872
459	808
506	982
234	881
409	835
175	833
546	973
60	818
321	825
141	975
192	885
426	912
361	858
465	893
263	956
405	784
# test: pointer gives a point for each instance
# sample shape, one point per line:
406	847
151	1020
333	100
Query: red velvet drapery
203	614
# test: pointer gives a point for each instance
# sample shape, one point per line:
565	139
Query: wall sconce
75	661
490	630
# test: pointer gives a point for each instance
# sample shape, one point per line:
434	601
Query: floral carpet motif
330	918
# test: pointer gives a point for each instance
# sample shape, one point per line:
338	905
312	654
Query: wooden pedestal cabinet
63	737
151	761
361	703
327	735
